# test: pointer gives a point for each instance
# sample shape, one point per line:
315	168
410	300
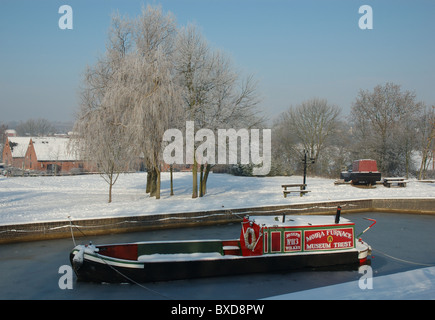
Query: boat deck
163	250
298	221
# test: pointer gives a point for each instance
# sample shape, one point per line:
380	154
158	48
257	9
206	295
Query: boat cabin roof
297	221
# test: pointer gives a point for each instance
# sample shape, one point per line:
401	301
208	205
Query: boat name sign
328	239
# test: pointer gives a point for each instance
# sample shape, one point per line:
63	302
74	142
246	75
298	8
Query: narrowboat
266	244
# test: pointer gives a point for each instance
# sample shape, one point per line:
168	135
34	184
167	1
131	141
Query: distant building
14	151
51	154
46	154
10	133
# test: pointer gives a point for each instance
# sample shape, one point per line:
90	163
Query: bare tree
384	126
155	97
3	128
154	106
213	95
104	106
283	149
35	127
100	139
427	139
193	67
311	124
154	31
152	78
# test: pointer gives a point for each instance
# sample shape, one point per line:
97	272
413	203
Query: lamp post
305	161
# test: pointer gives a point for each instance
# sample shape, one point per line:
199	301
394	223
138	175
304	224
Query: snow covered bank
41	199
415	284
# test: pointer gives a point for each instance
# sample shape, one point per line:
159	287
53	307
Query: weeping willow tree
153	77
129	98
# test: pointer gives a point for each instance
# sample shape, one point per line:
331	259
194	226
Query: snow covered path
39	199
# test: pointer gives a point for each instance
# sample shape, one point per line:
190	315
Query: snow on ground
416	284
38	199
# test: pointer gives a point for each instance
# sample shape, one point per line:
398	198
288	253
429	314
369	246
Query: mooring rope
116	270
403	260
130	221
106	225
133	281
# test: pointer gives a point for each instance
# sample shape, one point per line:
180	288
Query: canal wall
90	227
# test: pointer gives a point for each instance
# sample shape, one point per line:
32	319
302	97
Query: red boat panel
231	247
276	241
120	251
250	238
367	165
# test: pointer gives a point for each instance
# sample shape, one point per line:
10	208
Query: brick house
52	154
47	154
14	151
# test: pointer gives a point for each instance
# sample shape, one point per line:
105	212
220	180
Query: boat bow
78	254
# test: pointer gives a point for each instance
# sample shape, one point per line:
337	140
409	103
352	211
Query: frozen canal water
30	270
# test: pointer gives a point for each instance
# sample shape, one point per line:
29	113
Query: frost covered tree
98	137
153	77
213	94
129	99
426	135
308	126
384	127
35	127
155	99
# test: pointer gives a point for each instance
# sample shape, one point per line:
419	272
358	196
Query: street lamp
306	161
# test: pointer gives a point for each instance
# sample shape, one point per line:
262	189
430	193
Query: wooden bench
401	182
426	181
295	185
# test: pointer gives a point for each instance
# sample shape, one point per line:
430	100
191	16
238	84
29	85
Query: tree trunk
153	184
204	182
172	180
148	187
157	183
110	187
426	153
195	178
201	180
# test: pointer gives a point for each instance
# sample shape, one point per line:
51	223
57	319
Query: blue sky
297	49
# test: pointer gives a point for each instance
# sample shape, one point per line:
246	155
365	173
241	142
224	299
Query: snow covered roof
11	133
297	221
53	149
18	146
